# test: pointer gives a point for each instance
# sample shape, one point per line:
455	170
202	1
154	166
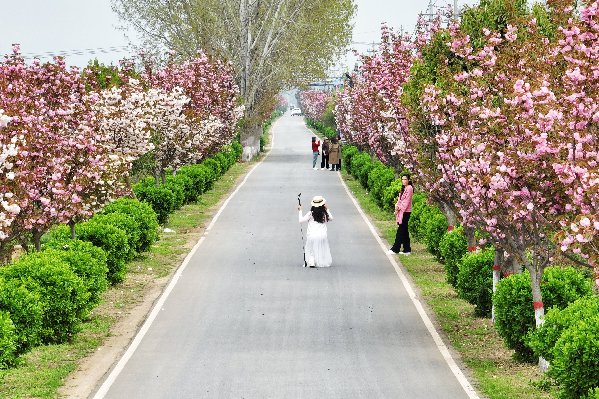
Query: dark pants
402	237
334	166
324	162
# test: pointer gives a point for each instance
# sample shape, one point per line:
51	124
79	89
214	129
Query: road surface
246	320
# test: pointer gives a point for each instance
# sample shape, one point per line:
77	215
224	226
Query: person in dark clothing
324	162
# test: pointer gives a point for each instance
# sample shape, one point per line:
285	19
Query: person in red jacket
403	209
315	152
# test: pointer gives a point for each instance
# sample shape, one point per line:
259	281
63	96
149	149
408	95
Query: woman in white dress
318	253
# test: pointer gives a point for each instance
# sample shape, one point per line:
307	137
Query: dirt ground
91	371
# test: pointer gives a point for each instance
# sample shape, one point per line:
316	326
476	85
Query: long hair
404	187
319	213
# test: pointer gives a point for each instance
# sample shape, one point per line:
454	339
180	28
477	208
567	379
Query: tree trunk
250	140
72	227
36	237
498	262
452	218
537	302
470	238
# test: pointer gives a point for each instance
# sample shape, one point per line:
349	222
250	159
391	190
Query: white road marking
103	390
427	322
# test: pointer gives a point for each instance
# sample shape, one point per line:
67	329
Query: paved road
245	320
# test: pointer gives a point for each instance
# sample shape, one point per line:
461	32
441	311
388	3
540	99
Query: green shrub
113	241
390	194
575	364
198	180
564	285
160	198
514	313
209	176
145	216
177	187
419	206
62	294
185	182
8	338
357	162
238	149
347	154
453	246
25	311
379	178
87	261
543	339
475	280
222	161
214	165
126	223
435	226
364	170
593	393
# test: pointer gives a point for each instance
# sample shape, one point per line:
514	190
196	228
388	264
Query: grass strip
491	368
43	370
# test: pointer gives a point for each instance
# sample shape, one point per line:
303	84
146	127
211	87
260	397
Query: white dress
318	252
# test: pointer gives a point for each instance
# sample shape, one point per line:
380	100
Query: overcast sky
52	26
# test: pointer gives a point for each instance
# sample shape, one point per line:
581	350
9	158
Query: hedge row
570	334
321	128
44	296
187	184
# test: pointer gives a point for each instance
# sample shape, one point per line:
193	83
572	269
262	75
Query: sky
90	27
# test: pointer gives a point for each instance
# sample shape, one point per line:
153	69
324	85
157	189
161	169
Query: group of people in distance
317	251
331	154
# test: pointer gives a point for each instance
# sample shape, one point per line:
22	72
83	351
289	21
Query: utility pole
455	10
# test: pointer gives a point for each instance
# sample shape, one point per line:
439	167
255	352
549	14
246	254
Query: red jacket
315	145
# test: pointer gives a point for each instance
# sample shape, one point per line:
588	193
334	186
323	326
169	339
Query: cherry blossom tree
313	103
60	160
369	111
509	126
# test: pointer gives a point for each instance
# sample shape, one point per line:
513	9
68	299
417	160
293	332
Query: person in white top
318	253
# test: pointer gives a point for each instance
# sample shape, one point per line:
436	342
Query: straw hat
318	201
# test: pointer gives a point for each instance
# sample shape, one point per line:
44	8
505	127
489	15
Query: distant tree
271	44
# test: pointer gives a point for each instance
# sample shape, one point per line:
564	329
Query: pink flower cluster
314	103
508	136
370	113
66	151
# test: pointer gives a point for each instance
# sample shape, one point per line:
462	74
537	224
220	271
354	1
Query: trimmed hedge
87	261
63	296
452	247
575	364
25	311
390	194
379	178
514	313
435	225
126	223
543	339
145	216
347	154
160	198
8	338
475	280
419	206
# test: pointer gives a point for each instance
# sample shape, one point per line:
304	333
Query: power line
87	51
